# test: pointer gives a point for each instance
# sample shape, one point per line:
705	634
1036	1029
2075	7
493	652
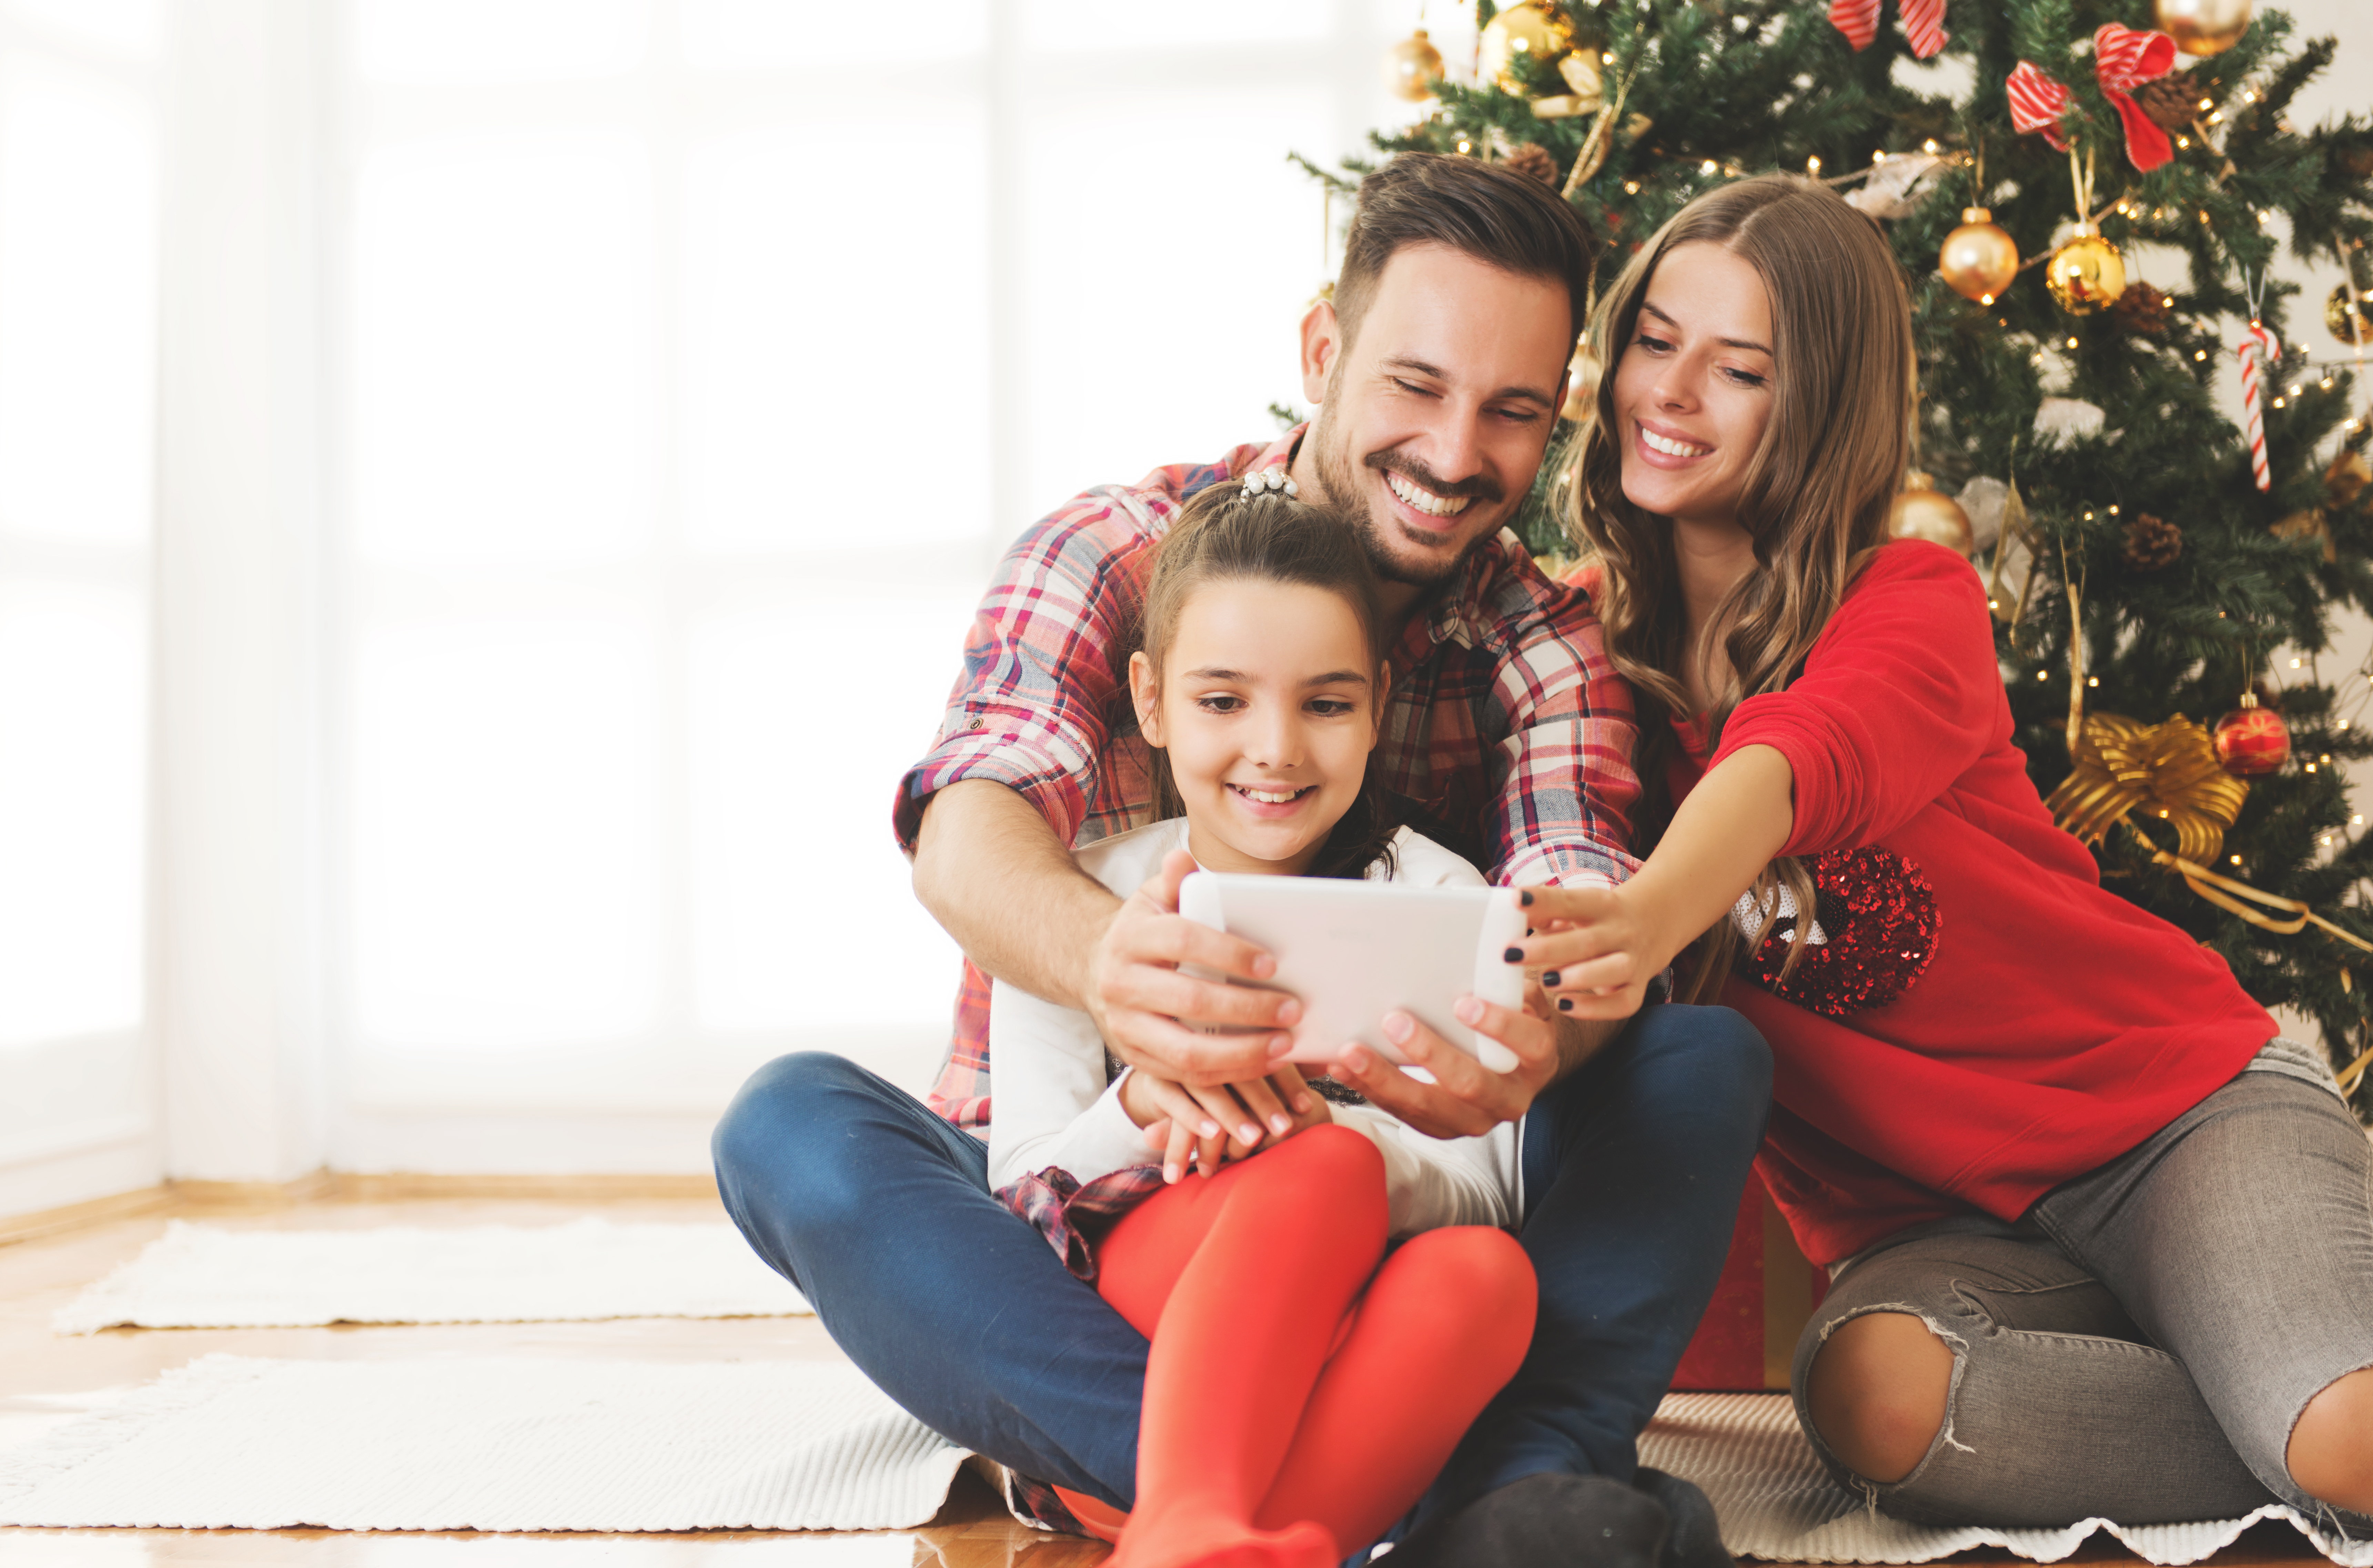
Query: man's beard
1377	534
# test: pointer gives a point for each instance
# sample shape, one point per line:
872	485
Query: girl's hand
1596	949
1221	1122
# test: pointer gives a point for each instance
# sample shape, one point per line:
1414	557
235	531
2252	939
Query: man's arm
994	876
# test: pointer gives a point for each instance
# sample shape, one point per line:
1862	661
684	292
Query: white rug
488	1443
208	1277
1777	1503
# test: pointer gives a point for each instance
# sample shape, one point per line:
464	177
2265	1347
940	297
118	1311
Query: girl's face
1693	387
1268	707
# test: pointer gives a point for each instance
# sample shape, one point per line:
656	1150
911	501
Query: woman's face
1693	386
1268	708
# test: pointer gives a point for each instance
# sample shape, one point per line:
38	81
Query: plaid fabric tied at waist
1059	1208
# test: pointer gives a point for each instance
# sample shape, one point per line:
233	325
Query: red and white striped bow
2124	60
1924	23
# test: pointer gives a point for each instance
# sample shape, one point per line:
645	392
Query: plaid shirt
1507	736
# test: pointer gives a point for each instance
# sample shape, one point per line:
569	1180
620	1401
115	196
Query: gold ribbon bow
2169	771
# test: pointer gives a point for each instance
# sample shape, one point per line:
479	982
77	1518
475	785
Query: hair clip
1269	482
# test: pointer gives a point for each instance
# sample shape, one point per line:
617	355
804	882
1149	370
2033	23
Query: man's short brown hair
1508	221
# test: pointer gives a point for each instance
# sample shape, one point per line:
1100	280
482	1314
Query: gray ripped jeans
2138	1345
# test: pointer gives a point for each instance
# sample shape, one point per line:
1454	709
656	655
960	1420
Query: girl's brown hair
1224	535
1816	490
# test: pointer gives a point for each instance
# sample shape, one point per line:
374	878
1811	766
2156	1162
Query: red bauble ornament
1877	921
2252	740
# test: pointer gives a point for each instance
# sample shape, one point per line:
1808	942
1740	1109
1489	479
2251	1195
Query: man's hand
1136	994
1465	1098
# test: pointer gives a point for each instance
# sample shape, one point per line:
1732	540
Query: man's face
1432	424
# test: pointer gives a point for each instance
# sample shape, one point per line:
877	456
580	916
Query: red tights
1290	1417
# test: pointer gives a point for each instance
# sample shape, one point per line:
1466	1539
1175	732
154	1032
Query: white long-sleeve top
1057	1104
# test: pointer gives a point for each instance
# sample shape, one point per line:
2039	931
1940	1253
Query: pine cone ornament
2171	101
2152	544
1532	158
2140	308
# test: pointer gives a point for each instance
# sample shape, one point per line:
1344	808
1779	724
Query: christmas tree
2087	229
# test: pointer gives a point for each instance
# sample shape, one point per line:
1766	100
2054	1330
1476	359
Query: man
1438	371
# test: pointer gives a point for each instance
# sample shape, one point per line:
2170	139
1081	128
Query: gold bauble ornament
1412	67
2348	311
1534	31
2086	274
1923	512
1979	260
2203	27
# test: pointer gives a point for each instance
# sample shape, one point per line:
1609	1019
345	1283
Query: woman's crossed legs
1298	1395
2172	1336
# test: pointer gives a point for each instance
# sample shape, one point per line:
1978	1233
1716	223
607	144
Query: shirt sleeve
1562	781
1043	664
1054	1107
1899	697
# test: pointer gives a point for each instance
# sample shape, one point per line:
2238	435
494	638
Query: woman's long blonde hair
1814	502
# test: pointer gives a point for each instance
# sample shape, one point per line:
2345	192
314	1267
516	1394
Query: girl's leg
1444	1325
2240	1239
1242	1282
1988	1380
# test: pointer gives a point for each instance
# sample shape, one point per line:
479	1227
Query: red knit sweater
2057	1025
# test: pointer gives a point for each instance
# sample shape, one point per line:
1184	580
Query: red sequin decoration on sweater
1880	919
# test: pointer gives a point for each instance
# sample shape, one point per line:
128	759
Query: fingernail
1282	1123
1469	1011
1250	1132
1300	1106
1210	1128
1279	1045
1565	1004
1264	966
1398	1027
1289	1013
1355	1061
1549	978
1170	1174
1525	898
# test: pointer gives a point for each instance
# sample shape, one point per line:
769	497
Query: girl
2037	1135
1298	1395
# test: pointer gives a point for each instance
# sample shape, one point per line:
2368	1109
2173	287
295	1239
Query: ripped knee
2330	1453
1878	1390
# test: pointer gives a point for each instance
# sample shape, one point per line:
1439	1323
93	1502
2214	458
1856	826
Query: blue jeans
879	1211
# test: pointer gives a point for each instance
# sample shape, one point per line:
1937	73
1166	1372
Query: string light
1708	167
1929	145
1813	164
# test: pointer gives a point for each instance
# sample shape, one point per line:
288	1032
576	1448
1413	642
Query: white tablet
1353	950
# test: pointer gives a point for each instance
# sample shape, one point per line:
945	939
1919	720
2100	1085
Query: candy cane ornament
2259	345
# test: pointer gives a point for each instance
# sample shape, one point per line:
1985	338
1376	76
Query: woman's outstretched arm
1598	947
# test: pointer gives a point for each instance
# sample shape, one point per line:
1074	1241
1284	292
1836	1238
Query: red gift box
1767	1291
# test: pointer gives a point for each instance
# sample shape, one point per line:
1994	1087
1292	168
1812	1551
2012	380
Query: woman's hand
1212	1125
1596	947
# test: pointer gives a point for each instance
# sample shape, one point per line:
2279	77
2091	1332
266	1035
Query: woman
2100	1242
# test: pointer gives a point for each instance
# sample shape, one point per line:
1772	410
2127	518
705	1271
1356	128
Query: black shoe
1541	1521
1695	1541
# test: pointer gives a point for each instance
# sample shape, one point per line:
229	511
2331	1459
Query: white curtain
78	218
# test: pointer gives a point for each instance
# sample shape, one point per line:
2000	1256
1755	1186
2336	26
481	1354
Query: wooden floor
39	1372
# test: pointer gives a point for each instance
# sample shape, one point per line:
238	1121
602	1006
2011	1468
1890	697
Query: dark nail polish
1565	1004
1514	955
1526	900
1550	980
